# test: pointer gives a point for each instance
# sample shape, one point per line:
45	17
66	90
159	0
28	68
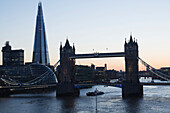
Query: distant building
40	52
165	70
35	72
145	74
84	73
12	57
13	68
112	74
102	68
100	72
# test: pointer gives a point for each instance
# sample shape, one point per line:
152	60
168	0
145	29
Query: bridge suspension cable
55	65
9	81
154	71
37	79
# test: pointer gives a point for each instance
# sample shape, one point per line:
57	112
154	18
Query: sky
93	26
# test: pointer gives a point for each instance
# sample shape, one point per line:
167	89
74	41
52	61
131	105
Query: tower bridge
98	55
131	85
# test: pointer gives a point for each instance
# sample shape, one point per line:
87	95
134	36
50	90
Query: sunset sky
93	26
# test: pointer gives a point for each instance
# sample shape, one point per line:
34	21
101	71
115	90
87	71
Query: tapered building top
40	52
67	44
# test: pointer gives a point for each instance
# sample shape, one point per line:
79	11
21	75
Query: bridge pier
132	90
4	92
67	89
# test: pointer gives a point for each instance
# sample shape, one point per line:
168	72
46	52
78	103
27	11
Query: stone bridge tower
67	67
67	64
131	86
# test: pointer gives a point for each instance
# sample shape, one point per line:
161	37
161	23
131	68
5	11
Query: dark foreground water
156	100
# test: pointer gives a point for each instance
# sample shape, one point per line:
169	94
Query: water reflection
67	104
132	105
156	99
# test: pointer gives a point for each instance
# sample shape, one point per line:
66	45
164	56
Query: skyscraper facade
40	52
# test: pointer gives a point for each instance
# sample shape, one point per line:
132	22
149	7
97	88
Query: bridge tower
131	86
67	66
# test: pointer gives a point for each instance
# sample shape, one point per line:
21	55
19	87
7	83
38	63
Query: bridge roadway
25	87
115	84
143	83
99	55
9	90
29	86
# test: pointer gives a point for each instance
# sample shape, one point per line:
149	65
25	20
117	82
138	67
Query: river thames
156	100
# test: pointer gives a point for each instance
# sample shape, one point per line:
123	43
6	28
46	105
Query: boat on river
95	93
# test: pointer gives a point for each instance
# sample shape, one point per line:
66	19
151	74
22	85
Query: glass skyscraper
40	52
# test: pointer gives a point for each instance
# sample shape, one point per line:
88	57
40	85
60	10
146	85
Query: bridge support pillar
132	90
67	89
4	92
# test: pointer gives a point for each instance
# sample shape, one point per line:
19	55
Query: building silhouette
40	52
12	57
67	64
14	69
131	50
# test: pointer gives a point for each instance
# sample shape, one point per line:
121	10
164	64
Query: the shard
40	52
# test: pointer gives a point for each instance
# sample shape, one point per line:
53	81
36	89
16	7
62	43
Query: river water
156	100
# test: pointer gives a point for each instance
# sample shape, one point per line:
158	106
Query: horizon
107	22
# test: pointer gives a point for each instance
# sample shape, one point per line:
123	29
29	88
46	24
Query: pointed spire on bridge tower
131	40
73	48
60	45
125	41
67	44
